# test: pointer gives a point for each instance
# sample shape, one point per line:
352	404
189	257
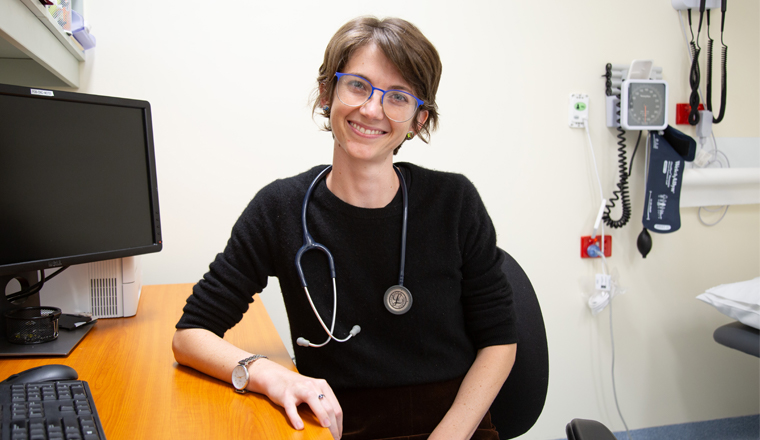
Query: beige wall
229	84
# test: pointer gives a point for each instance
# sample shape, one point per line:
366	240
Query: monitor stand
61	346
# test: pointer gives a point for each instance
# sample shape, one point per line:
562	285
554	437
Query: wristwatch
240	375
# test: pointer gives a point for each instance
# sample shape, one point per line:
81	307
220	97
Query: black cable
31	290
623	183
708	84
636	148
723	80
694	71
723	69
708	80
622	191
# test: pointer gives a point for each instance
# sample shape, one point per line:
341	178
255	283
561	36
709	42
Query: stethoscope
397	299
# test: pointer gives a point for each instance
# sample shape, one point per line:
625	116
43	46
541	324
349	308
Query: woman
414	254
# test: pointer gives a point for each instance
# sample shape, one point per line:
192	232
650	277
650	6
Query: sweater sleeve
486	293
225	292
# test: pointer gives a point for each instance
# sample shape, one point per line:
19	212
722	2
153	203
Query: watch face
646	104
240	377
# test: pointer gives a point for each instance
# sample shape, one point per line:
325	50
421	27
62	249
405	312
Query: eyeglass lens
399	106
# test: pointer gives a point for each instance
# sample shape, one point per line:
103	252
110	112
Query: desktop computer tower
104	289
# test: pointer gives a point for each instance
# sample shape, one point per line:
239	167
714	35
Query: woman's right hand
290	389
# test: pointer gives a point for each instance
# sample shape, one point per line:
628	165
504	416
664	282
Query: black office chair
521	400
582	429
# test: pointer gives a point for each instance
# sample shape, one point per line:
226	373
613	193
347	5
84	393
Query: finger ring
321	396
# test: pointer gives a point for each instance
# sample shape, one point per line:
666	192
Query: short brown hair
403	44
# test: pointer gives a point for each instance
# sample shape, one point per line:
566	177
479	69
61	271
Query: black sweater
461	298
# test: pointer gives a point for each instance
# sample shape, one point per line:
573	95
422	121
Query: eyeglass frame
372	92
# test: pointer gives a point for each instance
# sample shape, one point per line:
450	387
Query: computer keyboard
60	410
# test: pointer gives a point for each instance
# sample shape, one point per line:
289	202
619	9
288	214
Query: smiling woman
404	46
362	128
421	356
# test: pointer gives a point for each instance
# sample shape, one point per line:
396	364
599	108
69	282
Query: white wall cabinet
34	51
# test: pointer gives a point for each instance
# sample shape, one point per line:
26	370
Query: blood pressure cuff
668	153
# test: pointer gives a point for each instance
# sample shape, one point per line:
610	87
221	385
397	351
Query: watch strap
250	359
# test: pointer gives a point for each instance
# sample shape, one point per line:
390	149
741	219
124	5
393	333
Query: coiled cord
694	83
710	41
723	72
694	75
723	81
622	191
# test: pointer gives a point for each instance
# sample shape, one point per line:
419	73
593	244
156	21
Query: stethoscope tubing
405	216
310	244
332	327
308	240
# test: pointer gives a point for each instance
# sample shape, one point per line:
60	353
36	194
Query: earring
409	136
326	109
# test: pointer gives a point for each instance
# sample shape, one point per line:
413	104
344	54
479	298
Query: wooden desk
141	392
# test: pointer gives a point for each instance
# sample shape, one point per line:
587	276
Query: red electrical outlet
682	113
588	241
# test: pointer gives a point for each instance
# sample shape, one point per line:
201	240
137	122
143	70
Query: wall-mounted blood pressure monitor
644	104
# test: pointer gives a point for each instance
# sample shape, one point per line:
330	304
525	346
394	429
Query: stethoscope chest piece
398	300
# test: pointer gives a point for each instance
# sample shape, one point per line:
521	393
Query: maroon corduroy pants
402	413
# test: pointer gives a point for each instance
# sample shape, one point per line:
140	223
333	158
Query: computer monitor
77	184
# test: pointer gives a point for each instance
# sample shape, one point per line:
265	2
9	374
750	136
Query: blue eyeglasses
354	91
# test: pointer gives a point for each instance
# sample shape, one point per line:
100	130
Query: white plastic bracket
682	5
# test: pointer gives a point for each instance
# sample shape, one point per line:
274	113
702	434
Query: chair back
521	400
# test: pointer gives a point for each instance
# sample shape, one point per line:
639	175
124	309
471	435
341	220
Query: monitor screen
77	179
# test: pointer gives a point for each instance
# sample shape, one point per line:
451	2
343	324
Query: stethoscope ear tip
355	330
303	342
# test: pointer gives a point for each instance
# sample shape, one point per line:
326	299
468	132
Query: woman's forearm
478	390
204	351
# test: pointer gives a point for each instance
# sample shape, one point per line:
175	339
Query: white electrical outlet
578	110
